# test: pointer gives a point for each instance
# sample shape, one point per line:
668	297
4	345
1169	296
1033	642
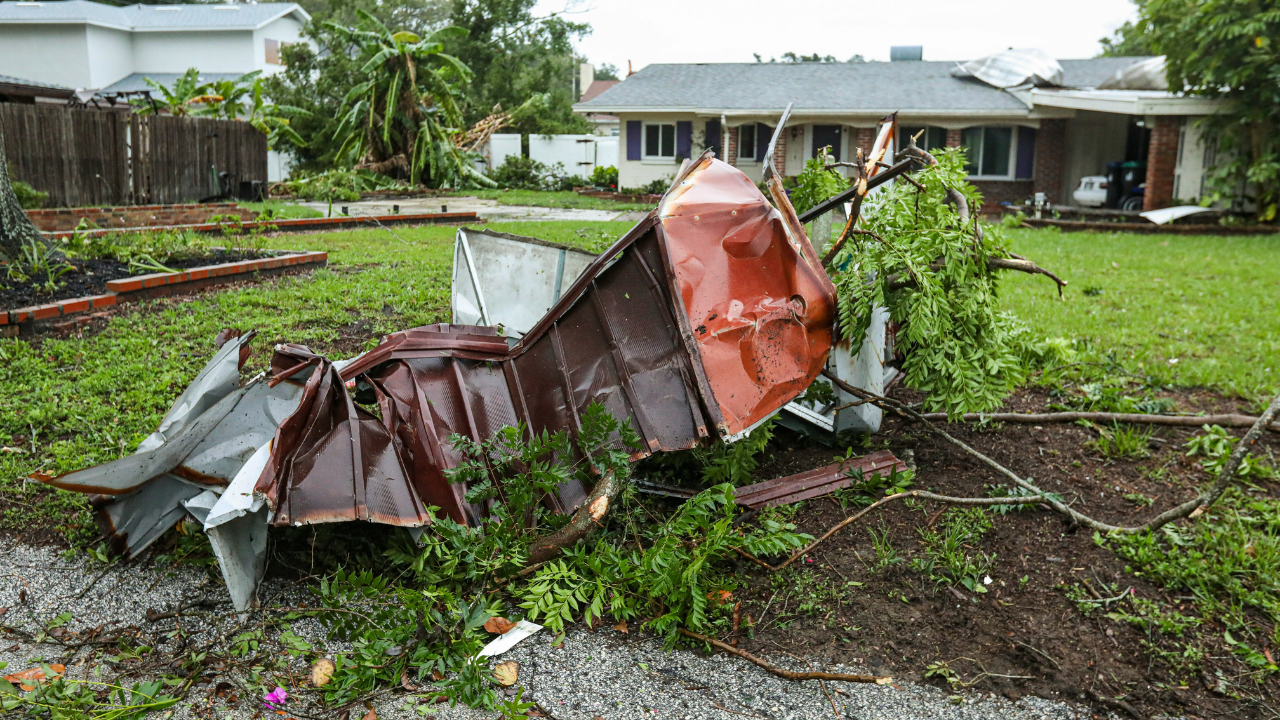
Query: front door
827	136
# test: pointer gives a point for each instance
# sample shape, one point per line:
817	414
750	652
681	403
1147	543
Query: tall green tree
515	55
1130	39
1228	50
400	121
17	232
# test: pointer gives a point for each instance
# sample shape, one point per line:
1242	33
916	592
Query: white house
90	46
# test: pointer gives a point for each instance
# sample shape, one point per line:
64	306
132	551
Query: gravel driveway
605	674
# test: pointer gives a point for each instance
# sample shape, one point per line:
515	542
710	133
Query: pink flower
275	697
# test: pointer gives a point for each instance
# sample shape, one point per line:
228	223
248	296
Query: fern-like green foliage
962	351
675	576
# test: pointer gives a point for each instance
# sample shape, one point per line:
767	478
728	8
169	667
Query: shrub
605	177
29	198
520	173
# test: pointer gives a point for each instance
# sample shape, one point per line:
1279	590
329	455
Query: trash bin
1123	178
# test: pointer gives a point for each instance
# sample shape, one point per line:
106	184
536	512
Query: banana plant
401	121
271	118
186	91
226	98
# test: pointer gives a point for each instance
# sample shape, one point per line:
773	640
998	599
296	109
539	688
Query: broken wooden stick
1196	505
897	282
1231	420
788	674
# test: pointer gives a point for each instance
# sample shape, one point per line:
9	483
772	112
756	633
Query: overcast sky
685	31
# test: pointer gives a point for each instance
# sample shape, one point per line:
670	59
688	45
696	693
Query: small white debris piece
238	499
508	640
986	580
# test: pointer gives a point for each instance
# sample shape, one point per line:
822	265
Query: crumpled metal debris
700	322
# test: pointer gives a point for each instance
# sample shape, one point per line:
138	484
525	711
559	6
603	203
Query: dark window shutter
633	139
712	134
764	134
1026	153
684	139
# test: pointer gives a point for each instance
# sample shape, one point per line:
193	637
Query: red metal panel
760	308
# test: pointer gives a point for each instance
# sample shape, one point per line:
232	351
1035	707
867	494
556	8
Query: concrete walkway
487	209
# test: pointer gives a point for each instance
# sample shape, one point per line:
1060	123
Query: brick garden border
28	320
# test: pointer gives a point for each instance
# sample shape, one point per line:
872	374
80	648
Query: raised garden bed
98	284
133	216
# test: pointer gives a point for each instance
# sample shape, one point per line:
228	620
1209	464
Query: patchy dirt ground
1026	635
1024	638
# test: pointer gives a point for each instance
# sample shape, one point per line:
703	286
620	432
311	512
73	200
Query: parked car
1092	191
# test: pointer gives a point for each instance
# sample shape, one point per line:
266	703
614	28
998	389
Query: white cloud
688	31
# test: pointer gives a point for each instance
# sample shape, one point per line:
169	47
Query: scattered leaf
499	625
621	627
321	671
506	673
371	715
719	597
34	673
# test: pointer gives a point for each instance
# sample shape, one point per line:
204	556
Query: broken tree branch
897	282
921	494
788	674
1231	420
584	520
1195	505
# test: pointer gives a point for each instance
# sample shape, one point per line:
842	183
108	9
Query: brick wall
780	153
1051	150
955	138
863	138
731	146
65	219
1162	159
995	192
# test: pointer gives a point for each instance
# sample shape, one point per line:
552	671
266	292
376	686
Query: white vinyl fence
579	154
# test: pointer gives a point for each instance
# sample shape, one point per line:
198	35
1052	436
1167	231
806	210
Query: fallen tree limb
584	520
1231	420
788	674
897	282
921	494
1191	507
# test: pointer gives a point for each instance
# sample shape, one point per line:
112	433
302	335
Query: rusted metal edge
816	483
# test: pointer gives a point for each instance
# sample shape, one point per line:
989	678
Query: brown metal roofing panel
762	311
819	482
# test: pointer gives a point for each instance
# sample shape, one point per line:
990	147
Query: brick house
1022	140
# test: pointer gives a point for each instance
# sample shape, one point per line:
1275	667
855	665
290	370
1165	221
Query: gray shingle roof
9	80
868	87
137	81
148	17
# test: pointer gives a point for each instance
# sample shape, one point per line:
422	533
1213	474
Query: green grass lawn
539	198
70	403
1209	302
1193	310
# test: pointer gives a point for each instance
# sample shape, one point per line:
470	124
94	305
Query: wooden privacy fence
89	157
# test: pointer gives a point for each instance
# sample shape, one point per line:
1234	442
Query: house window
659	140
273	52
988	152
747	142
933	138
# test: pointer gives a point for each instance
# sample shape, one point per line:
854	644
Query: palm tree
269	118
401	121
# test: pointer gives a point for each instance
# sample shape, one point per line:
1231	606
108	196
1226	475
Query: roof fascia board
1097	101
296	9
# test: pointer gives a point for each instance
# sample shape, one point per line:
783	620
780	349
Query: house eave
802	112
1124	103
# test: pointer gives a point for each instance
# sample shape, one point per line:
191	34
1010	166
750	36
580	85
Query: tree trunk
16	229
